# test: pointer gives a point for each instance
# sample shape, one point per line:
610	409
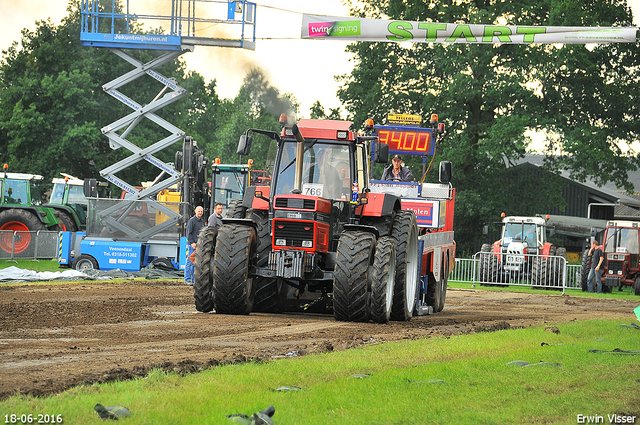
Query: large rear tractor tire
236	210
404	232
268	290
486	257
383	279
203	269
233	288
19	220
558	267
351	276
586	268
636	286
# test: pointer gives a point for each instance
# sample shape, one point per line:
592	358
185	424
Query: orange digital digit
396	138
409	141
384	136
423	142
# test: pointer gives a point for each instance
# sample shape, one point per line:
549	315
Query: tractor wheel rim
23	240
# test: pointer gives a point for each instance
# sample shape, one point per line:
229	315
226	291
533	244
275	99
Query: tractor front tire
233	288
351	276
383	280
67	223
404	231
203	269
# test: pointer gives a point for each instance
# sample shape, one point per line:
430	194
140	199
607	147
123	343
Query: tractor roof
324	129
517	219
22	176
625	223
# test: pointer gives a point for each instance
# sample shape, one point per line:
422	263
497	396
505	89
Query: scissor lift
112	24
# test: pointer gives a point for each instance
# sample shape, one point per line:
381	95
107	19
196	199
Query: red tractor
621	249
318	231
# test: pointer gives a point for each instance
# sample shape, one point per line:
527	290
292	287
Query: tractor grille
615	267
297	203
294	232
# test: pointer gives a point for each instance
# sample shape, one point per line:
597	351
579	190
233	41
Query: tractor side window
76	195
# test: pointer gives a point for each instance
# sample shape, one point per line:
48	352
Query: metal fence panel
530	270
41	244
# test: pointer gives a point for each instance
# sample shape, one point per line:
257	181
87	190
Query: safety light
368	125
284	120
503	215
434	119
250	163
441	128
66	179
216	161
547	216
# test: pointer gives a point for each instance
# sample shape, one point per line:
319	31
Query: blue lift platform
156	228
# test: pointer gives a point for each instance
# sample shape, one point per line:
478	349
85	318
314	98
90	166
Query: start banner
358	29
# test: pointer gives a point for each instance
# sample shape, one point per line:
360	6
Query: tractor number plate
312	189
517	259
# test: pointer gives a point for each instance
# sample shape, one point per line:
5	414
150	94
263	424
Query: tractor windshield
622	239
325	170
520	232
229	185
15	192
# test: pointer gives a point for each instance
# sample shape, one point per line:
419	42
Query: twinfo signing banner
357	29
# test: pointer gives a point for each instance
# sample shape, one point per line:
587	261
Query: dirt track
58	335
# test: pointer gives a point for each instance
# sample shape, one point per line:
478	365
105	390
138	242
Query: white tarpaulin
357	29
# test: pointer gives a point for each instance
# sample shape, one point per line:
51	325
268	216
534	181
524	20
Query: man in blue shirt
193	229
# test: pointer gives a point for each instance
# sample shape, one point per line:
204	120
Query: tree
257	105
52	106
490	96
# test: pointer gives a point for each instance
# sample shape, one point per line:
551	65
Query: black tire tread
353	257
202	269
233	289
383	267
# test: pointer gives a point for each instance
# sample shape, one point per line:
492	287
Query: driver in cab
397	172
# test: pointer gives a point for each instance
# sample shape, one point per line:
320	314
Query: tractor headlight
307	244
281	242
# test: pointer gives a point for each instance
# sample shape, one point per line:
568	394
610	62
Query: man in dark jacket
193	229
215	219
397	172
596	267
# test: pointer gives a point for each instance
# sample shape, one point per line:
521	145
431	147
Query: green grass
37	265
479	386
626	293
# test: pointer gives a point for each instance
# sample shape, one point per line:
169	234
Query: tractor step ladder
107	25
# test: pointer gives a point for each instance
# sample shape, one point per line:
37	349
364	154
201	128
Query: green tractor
22	210
67	198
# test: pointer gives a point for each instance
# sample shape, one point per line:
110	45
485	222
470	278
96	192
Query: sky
305	68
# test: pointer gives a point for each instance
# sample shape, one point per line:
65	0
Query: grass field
466	379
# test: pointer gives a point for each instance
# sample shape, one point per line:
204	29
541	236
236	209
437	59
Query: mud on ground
55	336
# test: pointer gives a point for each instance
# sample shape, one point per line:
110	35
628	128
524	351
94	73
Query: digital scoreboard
407	140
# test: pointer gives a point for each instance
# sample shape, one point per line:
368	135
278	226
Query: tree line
582	98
